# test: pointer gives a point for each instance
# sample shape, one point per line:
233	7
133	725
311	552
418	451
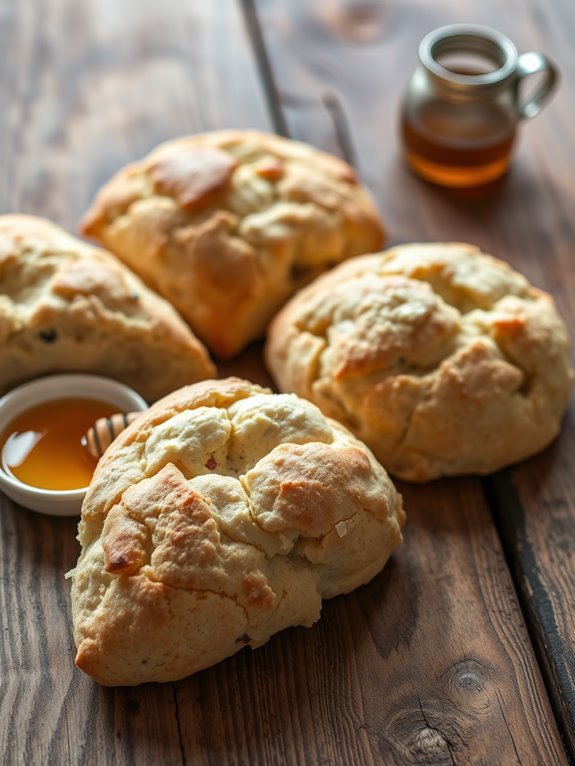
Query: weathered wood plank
430	662
85	88
534	512
91	86
365	53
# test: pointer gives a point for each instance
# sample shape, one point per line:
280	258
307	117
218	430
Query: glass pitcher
463	104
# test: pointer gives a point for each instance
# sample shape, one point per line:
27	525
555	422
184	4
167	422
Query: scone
66	306
442	359
228	225
222	515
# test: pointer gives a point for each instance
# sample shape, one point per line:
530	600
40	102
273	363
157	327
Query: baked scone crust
440	357
220	516
228	225
66	306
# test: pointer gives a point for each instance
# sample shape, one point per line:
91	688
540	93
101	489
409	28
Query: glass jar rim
469	38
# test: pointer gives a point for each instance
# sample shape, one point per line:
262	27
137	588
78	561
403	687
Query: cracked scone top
66	306
228	225
442	359
220	516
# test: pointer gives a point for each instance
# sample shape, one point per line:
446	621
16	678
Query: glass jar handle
531	63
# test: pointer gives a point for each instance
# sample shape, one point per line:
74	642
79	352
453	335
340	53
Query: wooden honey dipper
99	437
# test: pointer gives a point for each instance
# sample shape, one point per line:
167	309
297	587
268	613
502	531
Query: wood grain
91	86
429	663
356	50
432	662
534	510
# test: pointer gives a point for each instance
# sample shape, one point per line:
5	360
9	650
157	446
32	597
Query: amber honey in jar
42	447
463	104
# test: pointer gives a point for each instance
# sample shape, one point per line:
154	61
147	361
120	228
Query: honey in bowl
42	447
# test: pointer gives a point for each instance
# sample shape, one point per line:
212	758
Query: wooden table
462	650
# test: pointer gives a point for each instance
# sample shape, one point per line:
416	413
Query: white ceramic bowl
22	398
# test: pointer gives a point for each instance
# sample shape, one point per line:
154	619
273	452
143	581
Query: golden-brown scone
220	516
66	306
441	358
228	225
